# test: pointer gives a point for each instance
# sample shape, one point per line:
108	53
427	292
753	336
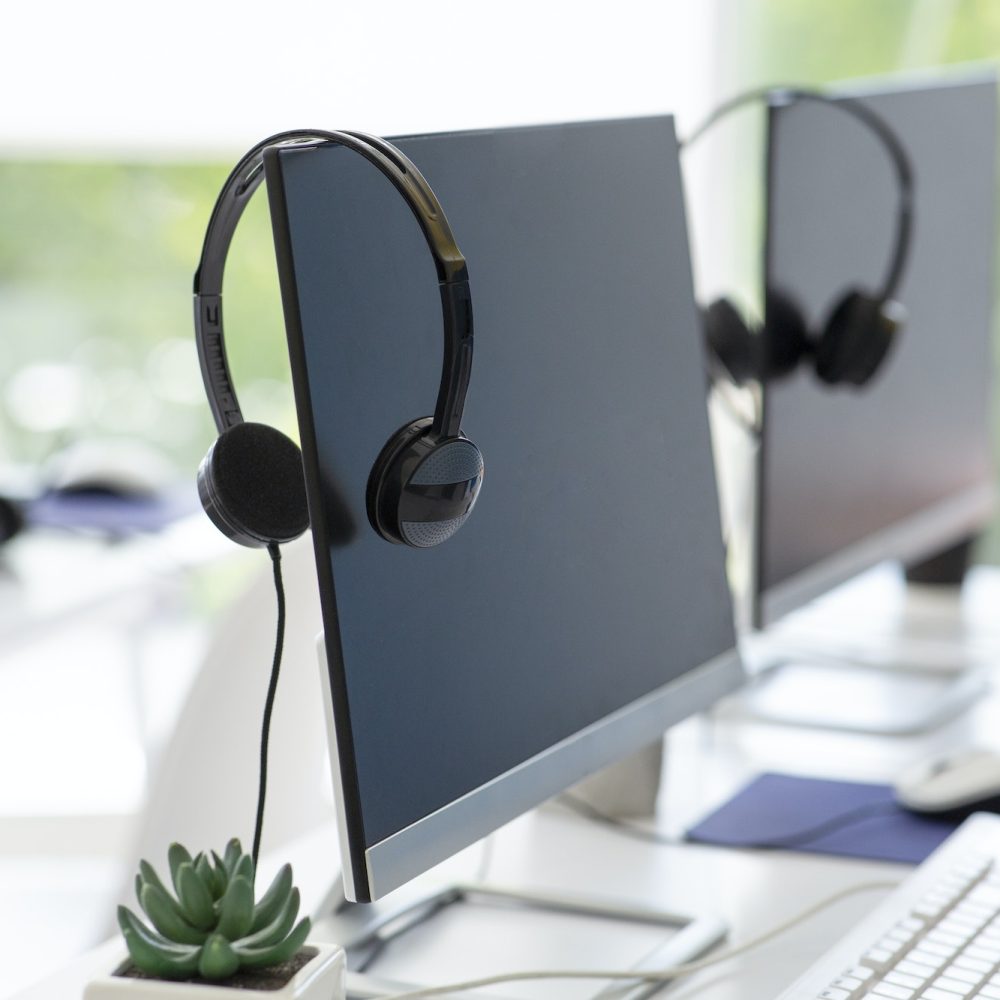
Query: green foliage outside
96	265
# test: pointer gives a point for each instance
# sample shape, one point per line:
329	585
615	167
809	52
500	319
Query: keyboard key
957	928
986	896
953	941
912	968
937	948
898	978
987	954
878	957
891	992
926	958
964	975
953	986
859	972
975	964
847	983
934	993
988	992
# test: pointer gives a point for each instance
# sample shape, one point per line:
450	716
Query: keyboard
936	937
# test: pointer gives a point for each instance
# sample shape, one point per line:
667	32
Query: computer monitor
583	608
901	468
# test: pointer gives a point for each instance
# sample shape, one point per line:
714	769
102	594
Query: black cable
587	811
792	840
845	819
279	641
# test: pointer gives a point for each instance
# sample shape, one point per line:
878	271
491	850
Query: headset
426	479
861	327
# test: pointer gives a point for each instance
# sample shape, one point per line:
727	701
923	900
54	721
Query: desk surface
708	758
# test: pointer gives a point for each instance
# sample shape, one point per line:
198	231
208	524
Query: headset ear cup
785	335
252	486
730	342
856	338
382	497
422	488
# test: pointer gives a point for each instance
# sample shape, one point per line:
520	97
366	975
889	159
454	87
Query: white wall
113	76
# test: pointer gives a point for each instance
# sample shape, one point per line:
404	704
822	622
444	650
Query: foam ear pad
252	486
785	335
856	339
730	342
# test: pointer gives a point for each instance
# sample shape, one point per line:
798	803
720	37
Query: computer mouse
113	467
953	785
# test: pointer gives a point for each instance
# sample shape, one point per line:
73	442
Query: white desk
709	758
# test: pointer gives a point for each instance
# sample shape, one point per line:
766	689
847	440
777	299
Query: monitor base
627	789
363	930
888	701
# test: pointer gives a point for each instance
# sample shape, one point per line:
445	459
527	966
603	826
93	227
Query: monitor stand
364	929
912	677
946	568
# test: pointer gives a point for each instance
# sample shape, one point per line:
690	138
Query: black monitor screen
899	468
590	573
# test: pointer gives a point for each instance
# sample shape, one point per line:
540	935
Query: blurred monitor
583	608
901	468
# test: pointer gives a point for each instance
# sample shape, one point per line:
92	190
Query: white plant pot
321	978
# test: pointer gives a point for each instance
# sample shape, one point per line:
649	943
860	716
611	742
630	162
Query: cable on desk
653	975
265	732
797	839
623	826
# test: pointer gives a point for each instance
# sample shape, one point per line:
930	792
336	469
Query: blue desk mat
115	515
819	816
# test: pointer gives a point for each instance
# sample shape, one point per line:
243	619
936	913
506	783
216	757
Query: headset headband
456	304
777	96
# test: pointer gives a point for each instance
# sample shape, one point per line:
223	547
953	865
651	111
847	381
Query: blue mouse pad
853	819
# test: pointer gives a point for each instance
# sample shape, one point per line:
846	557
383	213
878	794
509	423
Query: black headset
425	481
860	328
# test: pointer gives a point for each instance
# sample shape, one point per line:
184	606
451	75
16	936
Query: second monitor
902	467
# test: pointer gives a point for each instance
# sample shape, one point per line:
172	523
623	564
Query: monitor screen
583	607
900	468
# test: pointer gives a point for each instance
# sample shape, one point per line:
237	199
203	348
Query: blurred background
119	124
119	141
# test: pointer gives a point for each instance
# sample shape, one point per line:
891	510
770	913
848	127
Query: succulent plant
213	927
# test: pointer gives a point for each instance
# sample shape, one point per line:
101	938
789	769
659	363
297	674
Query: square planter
321	978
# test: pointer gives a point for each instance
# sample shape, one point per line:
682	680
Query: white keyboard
936	937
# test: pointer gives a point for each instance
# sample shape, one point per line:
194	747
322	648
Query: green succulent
212	927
